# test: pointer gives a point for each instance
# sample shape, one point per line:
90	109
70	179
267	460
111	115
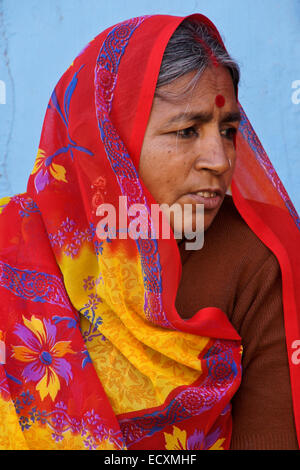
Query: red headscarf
58	388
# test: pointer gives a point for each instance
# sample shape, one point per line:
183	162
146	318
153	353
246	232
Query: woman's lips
209	203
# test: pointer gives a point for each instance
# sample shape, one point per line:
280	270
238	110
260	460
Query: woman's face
188	154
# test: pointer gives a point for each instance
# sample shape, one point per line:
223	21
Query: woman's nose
211	155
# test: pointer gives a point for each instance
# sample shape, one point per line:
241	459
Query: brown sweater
236	272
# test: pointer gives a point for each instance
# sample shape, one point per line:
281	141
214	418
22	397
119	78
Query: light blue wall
40	38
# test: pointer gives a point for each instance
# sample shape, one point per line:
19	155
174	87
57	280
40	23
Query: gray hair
193	47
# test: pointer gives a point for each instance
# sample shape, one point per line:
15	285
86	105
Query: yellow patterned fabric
97	356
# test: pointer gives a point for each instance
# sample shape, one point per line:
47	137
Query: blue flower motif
24	423
27	398
98	247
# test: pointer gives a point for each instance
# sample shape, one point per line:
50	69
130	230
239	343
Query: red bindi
220	101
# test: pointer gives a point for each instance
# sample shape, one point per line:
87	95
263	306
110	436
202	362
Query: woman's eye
229	133
187	133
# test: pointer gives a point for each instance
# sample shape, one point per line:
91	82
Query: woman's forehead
212	79
214	87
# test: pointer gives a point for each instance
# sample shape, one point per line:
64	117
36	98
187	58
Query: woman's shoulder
232	236
230	246
231	260
233	227
251	266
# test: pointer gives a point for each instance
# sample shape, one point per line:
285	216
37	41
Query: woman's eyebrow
204	117
232	117
191	116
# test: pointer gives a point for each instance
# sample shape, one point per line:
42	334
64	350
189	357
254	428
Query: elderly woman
145	342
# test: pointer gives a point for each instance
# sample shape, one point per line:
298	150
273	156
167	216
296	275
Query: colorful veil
96	355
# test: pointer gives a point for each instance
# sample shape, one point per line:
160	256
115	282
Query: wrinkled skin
189	144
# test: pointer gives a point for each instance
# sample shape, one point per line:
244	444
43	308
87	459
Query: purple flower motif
43	355
99	279
71	250
94	301
89	283
27	205
61	405
58	238
80	237
71	239
87	235
45	169
101	432
41	180
68	225
57	437
59	422
198	441
91	418
75	425
77	237
90	443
